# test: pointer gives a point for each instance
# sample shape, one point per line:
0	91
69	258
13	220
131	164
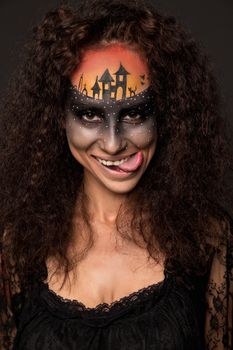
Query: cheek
143	135
78	136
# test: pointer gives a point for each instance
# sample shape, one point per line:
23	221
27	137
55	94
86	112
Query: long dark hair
181	191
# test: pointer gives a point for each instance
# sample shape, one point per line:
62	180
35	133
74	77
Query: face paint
111	73
113	138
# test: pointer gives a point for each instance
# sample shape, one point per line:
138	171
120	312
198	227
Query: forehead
111	72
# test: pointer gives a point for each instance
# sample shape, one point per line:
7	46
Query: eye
89	116
133	117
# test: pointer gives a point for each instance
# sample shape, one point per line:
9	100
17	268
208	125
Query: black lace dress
172	315
161	316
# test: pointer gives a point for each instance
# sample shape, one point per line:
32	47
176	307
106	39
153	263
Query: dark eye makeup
137	114
88	116
131	115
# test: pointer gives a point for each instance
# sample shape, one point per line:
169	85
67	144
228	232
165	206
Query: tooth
109	162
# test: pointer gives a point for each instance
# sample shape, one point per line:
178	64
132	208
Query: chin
123	187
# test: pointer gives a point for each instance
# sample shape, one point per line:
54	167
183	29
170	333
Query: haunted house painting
112	89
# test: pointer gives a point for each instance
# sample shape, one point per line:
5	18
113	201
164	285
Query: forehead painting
111	73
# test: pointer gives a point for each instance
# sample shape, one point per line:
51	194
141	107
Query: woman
112	165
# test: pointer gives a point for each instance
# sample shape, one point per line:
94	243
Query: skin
110	130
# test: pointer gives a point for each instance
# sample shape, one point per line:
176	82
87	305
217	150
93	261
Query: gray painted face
114	125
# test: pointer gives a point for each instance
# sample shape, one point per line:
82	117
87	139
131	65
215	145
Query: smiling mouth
112	162
125	165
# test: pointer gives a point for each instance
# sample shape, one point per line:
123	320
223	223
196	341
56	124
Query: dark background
209	21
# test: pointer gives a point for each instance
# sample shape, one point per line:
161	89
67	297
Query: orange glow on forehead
113	70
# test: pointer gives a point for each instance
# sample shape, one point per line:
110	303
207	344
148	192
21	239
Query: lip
116	173
115	158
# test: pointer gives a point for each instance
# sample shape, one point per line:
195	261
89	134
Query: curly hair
182	189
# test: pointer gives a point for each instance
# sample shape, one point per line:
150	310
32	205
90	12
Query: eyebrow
137	106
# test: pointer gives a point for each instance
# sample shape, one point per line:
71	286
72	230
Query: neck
103	204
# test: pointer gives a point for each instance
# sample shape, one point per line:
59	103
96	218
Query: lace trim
123	302
219	295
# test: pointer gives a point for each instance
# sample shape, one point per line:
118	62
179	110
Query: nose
113	141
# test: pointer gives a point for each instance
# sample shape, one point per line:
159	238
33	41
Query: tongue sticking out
133	163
